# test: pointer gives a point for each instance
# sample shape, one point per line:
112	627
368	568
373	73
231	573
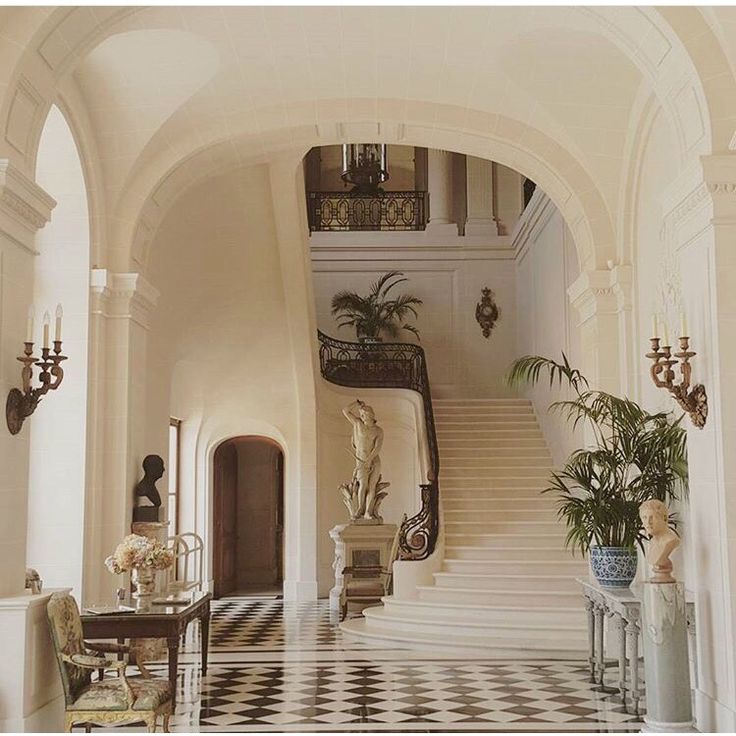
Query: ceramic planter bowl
613	567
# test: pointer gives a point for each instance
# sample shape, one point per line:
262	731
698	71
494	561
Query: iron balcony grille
346	211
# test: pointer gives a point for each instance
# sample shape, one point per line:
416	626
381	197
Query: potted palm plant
375	314
634	456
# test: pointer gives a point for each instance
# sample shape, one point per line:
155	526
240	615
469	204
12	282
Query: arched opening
248	539
58	431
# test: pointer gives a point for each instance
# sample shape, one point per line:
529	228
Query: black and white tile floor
276	666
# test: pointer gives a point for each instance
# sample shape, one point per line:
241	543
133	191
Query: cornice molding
24	206
600	292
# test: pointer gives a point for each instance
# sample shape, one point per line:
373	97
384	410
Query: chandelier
365	165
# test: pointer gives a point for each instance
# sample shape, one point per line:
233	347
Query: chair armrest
95	663
88	661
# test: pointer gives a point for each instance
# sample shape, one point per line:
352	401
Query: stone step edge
496	591
389	600
502	576
388	616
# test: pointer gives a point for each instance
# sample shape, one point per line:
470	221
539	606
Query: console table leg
632	636
601	655
621	630
591	637
173	642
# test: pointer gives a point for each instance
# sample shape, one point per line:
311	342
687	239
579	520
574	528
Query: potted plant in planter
375	313
634	456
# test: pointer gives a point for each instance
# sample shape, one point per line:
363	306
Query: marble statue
147	498
365	491
663	541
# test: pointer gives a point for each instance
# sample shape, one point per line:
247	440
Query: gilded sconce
487	312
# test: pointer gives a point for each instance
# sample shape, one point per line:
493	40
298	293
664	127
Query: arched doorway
248	516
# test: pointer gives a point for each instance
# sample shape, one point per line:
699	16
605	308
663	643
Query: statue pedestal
666	666
359	545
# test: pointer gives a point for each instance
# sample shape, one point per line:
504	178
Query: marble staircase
506	584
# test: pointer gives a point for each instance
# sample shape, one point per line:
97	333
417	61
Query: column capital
122	296
24	206
602	291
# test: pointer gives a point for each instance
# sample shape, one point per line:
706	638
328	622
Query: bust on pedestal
664	630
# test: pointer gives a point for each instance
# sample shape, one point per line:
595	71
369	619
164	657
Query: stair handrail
393	365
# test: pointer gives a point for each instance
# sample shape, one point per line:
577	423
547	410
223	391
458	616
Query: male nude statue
662	540
367	443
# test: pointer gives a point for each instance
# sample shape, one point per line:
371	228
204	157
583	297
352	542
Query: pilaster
601	297
440	187
121	306
480	219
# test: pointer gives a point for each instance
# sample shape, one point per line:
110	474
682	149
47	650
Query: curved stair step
505	551
491	596
525	583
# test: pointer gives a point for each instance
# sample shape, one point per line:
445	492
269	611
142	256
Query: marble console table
623	605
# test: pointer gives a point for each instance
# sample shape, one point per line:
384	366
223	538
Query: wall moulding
24	206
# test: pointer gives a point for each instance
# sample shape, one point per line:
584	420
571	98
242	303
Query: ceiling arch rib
520	147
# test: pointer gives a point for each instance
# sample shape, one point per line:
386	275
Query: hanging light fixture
365	165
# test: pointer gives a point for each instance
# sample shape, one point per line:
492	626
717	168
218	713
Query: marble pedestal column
666	666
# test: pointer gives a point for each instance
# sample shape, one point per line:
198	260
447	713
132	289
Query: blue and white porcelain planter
614	567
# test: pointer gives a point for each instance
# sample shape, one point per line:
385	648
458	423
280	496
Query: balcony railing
346	211
393	365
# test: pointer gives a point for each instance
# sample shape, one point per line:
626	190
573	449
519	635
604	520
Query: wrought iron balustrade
345	211
393	365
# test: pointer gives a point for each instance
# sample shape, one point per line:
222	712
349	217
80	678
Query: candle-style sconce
693	401
22	402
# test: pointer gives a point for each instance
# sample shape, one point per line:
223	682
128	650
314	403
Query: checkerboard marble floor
276	666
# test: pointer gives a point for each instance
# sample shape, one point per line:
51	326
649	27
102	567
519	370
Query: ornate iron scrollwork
393	365
341	211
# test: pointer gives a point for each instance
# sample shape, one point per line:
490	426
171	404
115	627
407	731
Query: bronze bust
147	498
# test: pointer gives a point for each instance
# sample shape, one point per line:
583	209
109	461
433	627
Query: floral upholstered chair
106	701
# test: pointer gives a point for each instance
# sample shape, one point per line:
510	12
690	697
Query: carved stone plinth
359	545
666	666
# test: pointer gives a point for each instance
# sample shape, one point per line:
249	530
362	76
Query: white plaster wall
218	354
56	486
16	279
460	360
546	323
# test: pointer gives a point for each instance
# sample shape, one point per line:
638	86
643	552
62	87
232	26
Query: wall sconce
486	311
22	403
695	401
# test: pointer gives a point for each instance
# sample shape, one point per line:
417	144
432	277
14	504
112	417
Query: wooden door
225	519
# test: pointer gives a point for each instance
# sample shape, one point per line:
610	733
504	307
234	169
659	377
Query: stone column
480	219
440	187
666	665
120	311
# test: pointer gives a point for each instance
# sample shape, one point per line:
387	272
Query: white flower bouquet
136	551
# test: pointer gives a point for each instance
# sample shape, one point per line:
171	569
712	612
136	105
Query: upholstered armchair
105	702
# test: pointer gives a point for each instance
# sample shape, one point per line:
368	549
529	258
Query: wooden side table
149	620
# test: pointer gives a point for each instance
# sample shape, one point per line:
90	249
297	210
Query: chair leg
87	728
151	723
166	722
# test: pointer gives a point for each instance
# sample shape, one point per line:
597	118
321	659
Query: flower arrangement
136	551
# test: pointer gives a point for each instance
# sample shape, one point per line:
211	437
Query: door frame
212	506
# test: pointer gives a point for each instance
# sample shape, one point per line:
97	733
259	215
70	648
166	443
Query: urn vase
144	580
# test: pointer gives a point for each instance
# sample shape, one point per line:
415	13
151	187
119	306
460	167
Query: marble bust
663	541
147	497
365	490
